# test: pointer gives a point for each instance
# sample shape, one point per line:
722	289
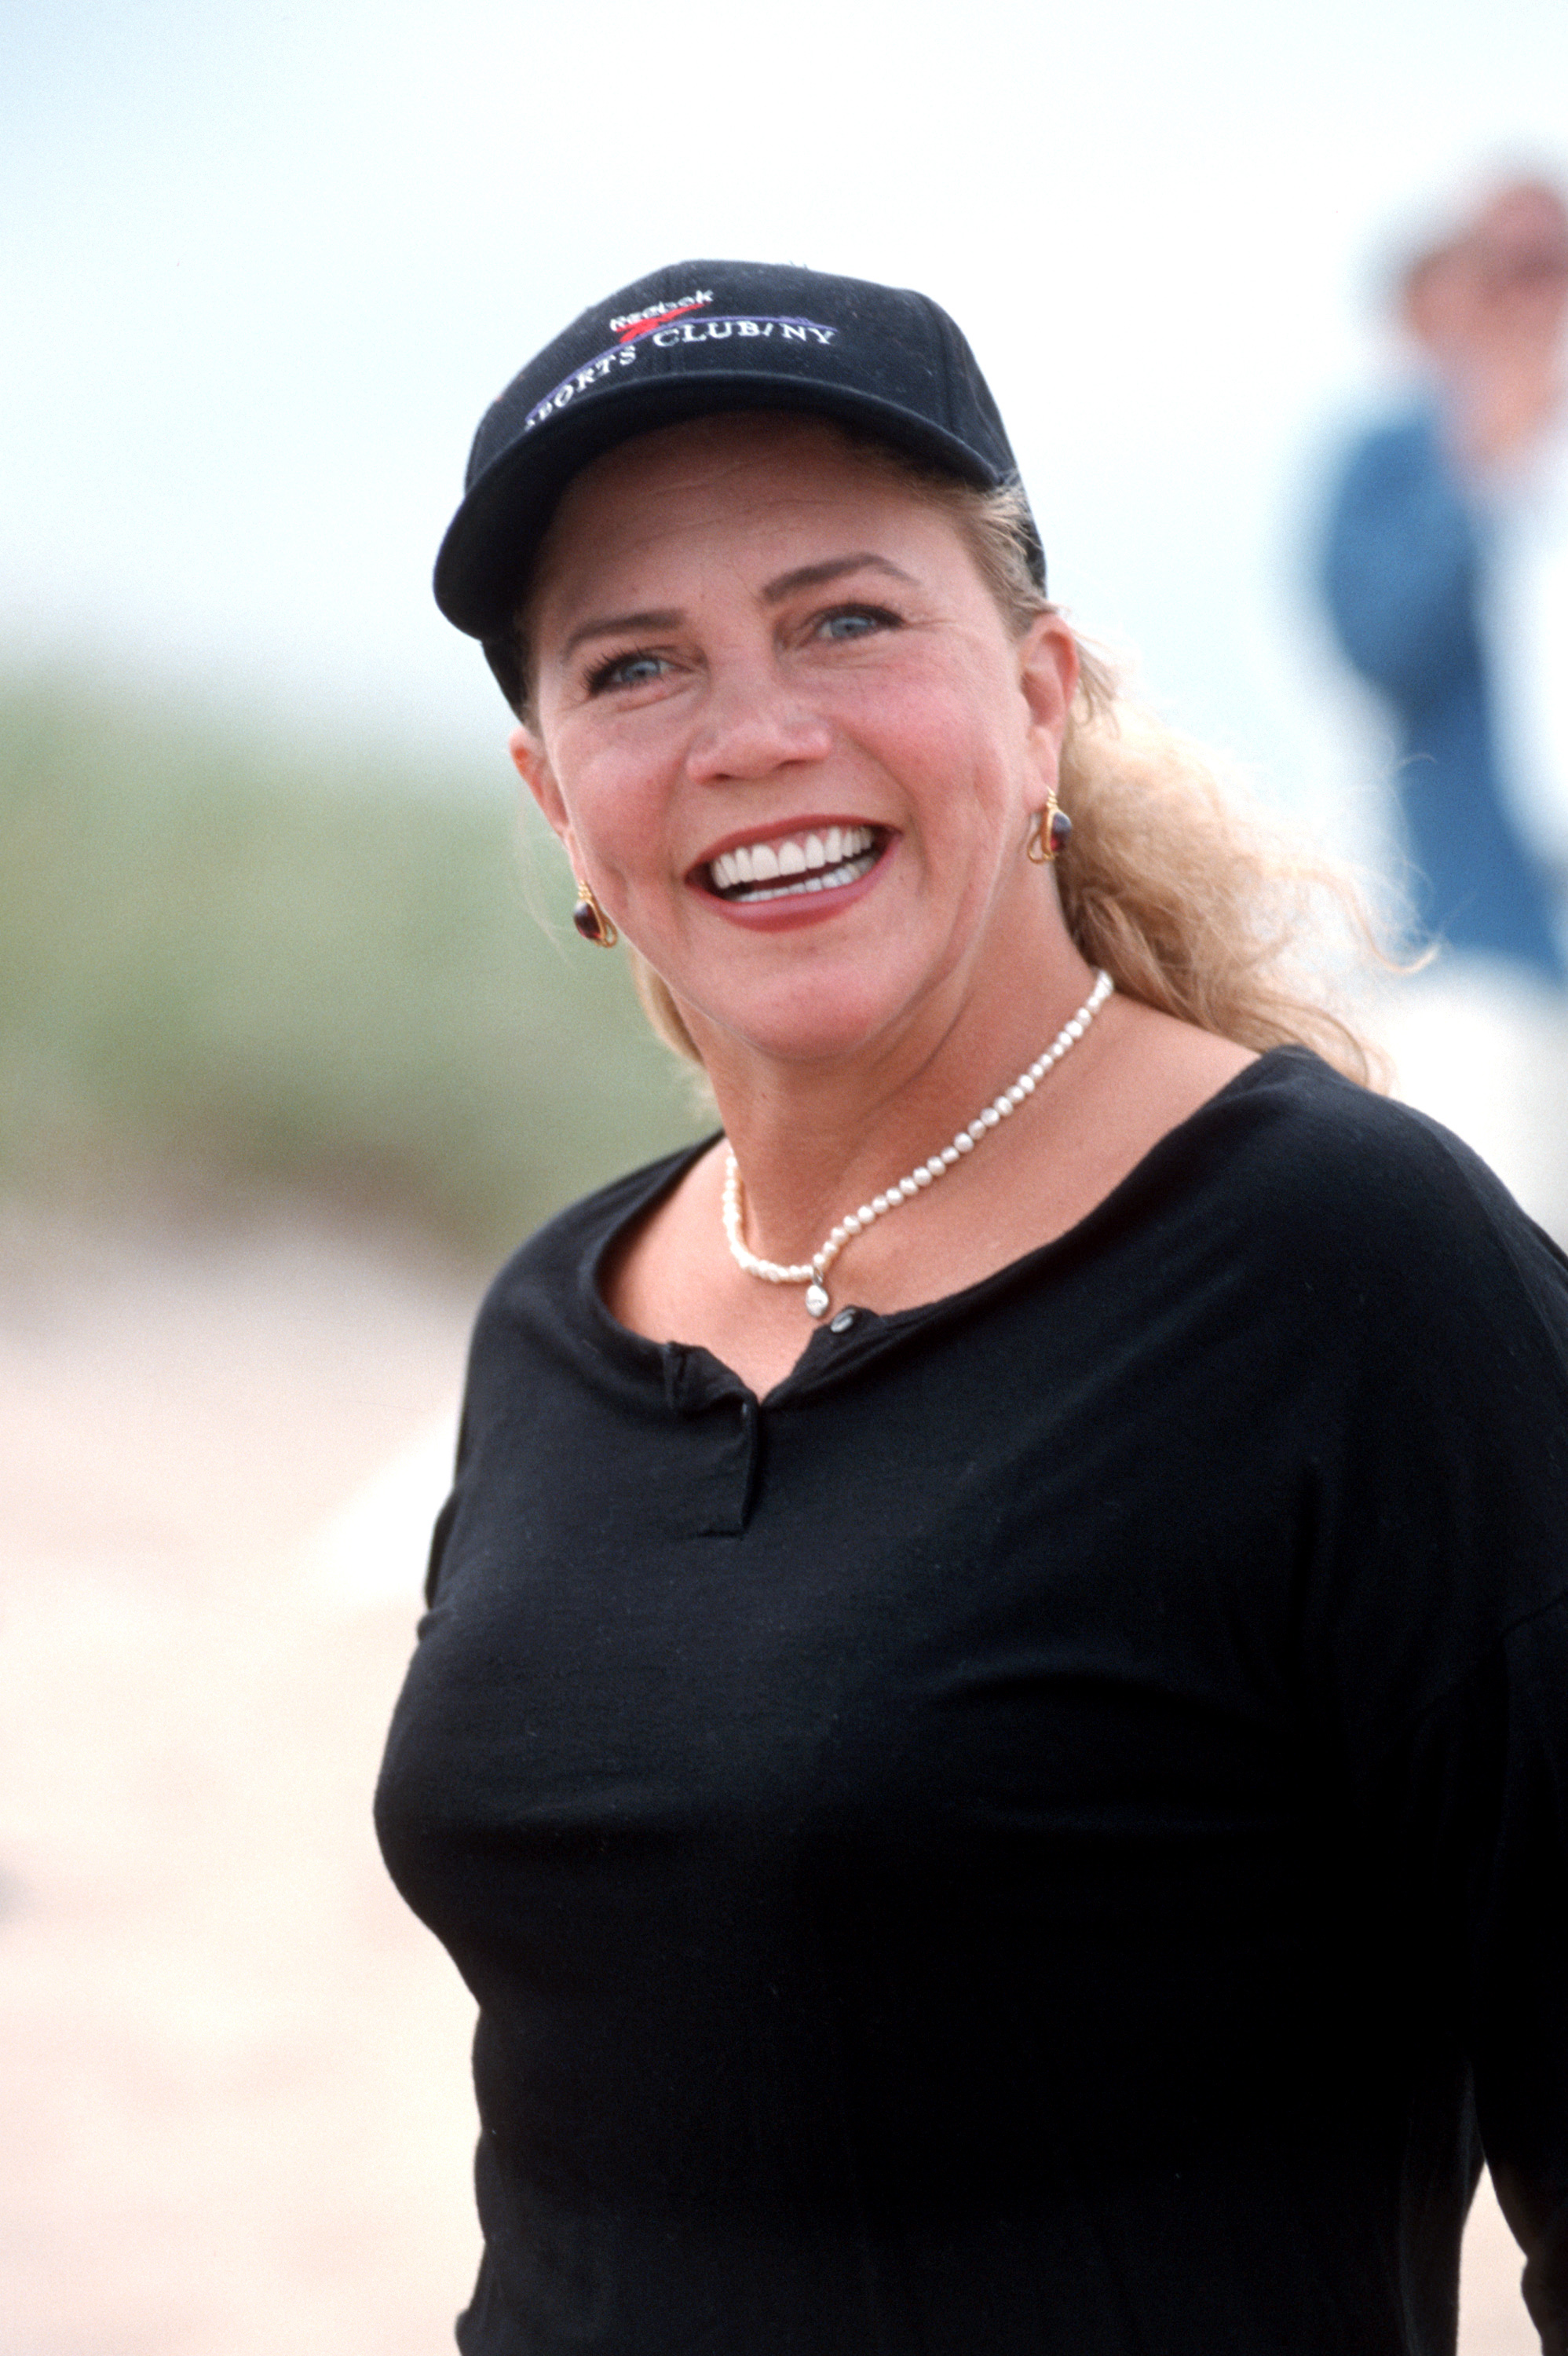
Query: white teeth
819	858
851	872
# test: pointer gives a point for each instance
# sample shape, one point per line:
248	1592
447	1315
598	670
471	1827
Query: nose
753	725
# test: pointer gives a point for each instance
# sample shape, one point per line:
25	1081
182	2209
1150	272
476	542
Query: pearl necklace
813	1272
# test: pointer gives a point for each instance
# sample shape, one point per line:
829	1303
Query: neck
816	1138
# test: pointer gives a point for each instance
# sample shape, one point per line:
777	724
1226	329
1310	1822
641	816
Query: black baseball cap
697	337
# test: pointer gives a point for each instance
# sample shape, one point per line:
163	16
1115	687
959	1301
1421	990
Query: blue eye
857	622
627	671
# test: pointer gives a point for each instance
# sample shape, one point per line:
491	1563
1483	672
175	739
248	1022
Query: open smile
791	866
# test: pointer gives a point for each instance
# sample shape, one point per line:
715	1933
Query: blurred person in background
1446	577
988	1734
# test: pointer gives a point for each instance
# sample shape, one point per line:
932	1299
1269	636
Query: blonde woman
988	1733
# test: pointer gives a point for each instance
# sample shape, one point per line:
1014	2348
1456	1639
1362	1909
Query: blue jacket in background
1403	578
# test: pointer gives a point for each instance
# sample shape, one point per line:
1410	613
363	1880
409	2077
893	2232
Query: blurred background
288	1058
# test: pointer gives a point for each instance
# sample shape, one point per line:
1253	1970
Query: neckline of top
826	1354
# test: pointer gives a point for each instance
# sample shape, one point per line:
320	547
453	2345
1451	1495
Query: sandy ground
234	2069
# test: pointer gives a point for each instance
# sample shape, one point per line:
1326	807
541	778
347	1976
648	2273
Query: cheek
615	802
953	750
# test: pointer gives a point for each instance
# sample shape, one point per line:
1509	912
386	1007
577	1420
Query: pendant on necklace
812	1272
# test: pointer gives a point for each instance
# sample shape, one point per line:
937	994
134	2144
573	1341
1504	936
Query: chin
822	1021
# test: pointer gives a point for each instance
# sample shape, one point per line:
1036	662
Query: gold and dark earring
1052	828
591	920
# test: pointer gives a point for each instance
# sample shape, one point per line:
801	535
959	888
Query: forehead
736	480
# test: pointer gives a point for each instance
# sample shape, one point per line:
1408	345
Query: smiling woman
994	1774
824	656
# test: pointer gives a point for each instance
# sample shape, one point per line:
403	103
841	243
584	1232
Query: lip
804	908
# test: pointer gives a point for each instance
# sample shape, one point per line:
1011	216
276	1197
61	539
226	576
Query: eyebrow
813	576
669	618
612	626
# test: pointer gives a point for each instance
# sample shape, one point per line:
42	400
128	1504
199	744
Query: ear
532	765
1048	677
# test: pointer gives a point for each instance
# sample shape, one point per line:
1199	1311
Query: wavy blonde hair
1193	905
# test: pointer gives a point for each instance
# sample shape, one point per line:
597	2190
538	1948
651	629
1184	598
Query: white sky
264	266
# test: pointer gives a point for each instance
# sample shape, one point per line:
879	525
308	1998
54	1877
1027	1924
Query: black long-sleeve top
1047	1832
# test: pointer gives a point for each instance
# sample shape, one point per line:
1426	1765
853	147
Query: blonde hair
1193	905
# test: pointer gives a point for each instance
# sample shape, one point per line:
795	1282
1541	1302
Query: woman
987	1741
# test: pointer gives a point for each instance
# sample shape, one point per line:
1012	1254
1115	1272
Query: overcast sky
266	267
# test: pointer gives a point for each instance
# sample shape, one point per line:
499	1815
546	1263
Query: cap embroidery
638	322
663	329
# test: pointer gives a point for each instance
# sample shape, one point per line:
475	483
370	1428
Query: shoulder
1397	471
1414	1323
1298	1132
1341	1189
1401	444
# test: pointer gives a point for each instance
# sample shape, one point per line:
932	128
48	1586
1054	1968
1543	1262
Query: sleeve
1440	1634
1482	1816
1401	564
441	1531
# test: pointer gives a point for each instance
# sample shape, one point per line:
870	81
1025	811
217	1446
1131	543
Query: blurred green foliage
221	954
